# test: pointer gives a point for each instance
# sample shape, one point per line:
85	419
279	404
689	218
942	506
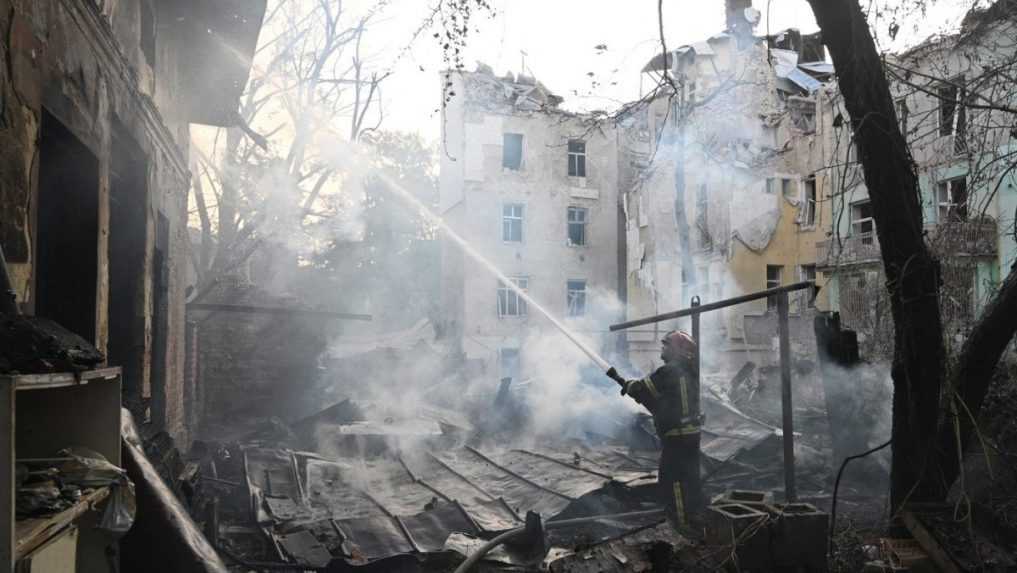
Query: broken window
782	184
577	218
952	197
577	158
128	197
902	115
862	225
808	273
509	301
809	203
803	113
787	188
512	151
512	223
773	280
689	89
576	297
67	234
952	117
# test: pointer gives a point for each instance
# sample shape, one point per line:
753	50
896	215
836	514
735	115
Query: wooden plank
31	533
32	381
928	542
59	379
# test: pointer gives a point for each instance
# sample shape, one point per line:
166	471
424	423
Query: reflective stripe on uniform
685	396
686	430
650	387
679	503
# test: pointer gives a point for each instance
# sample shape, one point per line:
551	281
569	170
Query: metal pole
785	398
695	336
275	310
713	305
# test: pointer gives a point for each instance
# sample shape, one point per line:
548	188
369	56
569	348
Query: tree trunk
975	367
911	271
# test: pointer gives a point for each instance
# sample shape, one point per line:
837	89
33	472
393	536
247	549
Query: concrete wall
85	67
473	188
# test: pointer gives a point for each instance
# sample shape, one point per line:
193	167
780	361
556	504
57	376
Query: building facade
97	98
950	98
533	189
731	199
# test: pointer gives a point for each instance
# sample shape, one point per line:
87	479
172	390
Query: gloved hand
612	373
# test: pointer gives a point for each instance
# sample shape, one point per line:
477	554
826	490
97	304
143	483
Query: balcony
953	239
962	238
853	250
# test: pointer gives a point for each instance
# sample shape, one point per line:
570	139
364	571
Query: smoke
568	395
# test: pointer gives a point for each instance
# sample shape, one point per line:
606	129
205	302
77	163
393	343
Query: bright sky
559	37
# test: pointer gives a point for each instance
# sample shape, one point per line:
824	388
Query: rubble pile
398	488
358	485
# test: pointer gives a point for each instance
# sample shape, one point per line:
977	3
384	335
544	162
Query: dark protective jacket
671	394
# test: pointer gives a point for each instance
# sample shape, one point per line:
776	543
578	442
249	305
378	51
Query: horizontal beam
251	309
713	305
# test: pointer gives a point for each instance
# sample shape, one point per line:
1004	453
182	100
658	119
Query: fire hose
511	534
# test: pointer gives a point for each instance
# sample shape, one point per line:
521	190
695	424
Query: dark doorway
67	230
128	198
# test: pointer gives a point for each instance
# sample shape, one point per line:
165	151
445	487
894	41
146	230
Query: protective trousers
678	478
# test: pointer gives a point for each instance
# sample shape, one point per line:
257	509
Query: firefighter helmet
680	343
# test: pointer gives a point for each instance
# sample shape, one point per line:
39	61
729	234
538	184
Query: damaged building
535	188
729	197
96	99
945	89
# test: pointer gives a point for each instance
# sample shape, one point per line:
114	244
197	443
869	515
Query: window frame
956	122
506	137
771	301
576	158
951	205
508	219
569	222
810	204
572	294
903	113
865	238
521	308
810	300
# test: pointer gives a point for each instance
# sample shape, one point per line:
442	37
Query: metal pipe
695	303
252	309
787	428
500	539
713	305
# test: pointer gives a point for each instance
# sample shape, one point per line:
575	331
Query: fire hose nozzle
612	373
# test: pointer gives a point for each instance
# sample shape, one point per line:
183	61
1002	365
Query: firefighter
671	394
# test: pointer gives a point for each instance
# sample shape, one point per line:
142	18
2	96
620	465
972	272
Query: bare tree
310	76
